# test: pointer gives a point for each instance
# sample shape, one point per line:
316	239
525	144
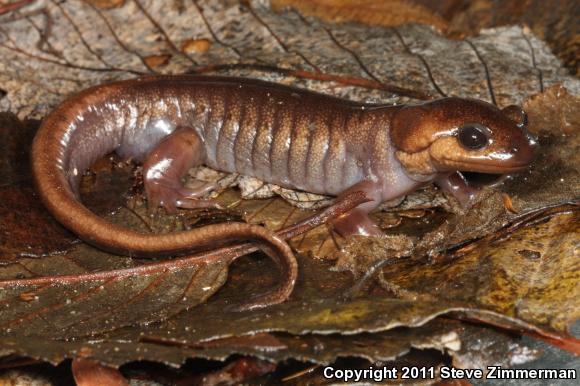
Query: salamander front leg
357	221
456	185
165	166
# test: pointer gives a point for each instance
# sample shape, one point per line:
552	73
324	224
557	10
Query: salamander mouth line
490	169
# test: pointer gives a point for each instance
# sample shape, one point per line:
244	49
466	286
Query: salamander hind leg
165	166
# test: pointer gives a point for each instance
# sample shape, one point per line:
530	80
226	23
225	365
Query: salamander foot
172	196
356	223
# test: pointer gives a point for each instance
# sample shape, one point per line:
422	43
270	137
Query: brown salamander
280	134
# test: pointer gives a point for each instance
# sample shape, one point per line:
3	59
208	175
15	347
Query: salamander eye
473	136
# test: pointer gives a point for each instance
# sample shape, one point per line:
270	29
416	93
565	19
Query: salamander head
454	134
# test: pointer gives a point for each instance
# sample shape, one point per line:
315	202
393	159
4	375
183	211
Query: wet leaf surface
428	264
26	229
534	270
107	186
88	307
208	331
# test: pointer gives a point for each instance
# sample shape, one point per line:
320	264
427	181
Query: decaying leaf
37	234
208	331
366	11
93	45
95	304
525	276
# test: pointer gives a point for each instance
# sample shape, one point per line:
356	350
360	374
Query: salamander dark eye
473	136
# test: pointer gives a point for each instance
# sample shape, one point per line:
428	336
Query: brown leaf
554	111
391	13
172	346
26	228
15	141
106	186
87	304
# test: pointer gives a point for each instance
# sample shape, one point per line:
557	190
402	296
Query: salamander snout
523	143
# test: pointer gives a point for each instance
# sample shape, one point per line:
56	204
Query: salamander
280	134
